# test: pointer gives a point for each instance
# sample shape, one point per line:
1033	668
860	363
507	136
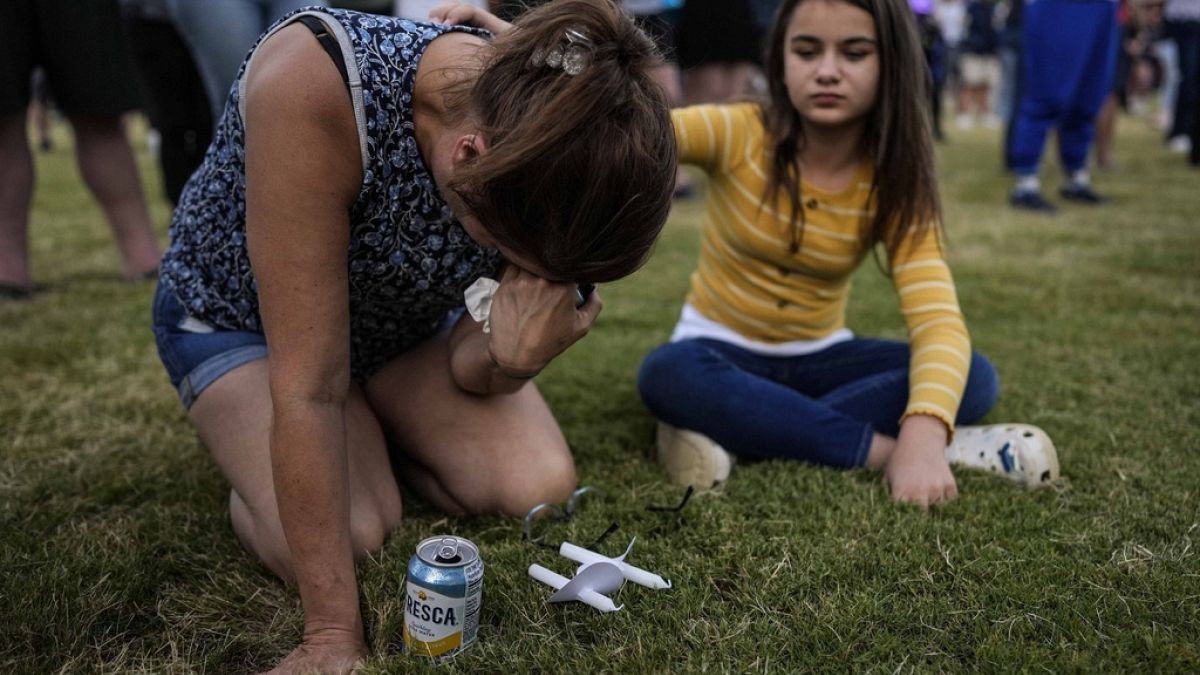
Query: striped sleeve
712	137
941	346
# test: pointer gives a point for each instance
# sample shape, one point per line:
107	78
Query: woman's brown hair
580	169
898	138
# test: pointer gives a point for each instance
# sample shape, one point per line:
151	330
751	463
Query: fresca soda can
445	594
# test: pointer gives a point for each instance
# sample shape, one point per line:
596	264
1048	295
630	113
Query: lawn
117	554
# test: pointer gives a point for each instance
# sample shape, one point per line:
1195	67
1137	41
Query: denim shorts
194	353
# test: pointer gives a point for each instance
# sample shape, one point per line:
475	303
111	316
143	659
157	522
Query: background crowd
176	59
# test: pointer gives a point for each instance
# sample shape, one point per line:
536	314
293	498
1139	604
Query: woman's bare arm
532	322
303	171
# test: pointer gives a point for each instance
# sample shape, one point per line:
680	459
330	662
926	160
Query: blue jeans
1186	35
221	33
194	355
821	407
1006	96
1167	53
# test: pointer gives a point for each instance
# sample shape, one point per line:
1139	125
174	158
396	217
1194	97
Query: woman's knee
368	531
372	519
550	479
981	392
520	485
261	535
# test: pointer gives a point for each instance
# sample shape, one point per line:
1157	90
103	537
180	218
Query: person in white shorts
979	65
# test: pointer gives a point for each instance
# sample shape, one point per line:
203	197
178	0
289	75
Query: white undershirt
692	324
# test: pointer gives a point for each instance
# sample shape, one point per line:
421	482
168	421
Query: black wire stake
607	533
686	496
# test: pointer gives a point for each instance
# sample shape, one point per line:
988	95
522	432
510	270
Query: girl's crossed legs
823	407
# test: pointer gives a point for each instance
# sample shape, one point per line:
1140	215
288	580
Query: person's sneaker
690	458
1179	145
1030	200
1021	452
1081	193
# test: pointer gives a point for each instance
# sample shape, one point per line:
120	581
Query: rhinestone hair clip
571	56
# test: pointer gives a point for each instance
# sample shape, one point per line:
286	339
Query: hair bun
635	49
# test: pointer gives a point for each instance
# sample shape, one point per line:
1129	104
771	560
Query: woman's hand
460	14
534	320
326	651
917	471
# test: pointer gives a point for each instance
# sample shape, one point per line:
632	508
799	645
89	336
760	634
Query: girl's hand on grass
534	320
917	471
459	14
327	652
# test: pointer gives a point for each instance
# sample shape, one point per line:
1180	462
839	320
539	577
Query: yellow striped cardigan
749	281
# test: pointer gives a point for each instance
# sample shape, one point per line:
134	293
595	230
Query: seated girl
801	190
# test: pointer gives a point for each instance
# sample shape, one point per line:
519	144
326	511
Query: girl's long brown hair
897	139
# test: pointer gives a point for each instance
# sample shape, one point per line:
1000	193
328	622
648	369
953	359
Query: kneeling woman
366	171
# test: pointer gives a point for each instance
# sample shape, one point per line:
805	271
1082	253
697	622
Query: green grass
117	555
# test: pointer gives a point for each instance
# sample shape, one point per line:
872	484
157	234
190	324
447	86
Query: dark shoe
1030	200
15	292
1082	194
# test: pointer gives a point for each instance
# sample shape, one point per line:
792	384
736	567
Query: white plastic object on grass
590	586
635	574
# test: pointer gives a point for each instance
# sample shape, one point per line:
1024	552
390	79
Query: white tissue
478	298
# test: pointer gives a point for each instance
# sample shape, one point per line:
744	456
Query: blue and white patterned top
409	259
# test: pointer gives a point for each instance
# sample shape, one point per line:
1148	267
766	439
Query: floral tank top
409	260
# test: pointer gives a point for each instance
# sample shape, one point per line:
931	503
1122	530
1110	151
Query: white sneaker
1020	452
690	458
1179	145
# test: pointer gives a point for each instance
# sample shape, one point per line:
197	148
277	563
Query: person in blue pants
1068	64
220	32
